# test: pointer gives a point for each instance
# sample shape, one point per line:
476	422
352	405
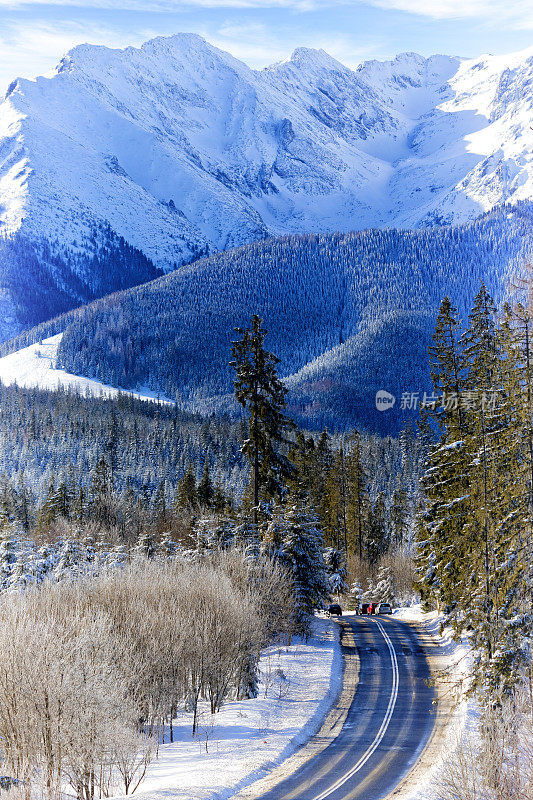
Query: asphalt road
388	723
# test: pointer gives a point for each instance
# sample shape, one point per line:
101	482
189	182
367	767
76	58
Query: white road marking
384	725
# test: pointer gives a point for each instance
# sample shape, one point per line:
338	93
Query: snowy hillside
178	145
36	367
336	307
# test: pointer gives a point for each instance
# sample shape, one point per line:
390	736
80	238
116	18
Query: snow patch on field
34	367
249	737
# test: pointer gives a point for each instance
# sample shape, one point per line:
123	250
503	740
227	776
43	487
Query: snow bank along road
388	723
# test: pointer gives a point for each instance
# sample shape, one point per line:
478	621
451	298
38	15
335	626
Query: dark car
384	608
335	610
364	608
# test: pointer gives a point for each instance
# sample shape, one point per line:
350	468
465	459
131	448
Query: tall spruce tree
357	496
473	537
440	553
300	550
377	536
259	390
205	488
482	357
187	496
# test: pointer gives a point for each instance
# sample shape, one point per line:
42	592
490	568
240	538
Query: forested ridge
52	443
44	279
346	314
61	435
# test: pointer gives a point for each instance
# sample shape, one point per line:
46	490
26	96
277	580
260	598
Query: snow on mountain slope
35	367
179	146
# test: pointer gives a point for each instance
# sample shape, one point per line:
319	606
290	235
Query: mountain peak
179	148
190	48
309	58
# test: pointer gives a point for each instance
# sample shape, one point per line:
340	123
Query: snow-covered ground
457	713
247	738
35	367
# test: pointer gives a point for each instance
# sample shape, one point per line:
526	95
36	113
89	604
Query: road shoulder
448	662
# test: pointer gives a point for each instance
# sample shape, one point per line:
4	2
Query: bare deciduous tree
91	670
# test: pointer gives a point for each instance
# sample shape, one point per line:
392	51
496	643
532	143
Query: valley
266	416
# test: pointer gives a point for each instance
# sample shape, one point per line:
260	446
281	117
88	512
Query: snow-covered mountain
179	148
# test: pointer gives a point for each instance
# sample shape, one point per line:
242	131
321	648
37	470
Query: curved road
389	721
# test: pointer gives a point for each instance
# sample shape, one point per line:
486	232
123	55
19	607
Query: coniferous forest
266	403
266	456
474	540
347	315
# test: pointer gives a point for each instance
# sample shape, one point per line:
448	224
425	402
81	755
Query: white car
384	608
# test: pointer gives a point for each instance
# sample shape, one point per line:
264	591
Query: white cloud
517	13
259	45
514	12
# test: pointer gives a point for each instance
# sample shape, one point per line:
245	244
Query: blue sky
35	35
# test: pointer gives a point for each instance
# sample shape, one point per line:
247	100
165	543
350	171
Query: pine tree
442	544
357	502
52	506
205	488
472	551
9	552
377	539
63	500
482	363
187	497
335	561
447	368
331	506
259	390
368	595
27	570
70	561
384	590
355	595
220	502
101	503
400	518
302	553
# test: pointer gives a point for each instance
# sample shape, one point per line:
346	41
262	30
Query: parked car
363	608
384	608
372	608
335	610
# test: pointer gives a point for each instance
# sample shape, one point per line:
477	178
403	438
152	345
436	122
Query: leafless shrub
270	587
61	704
495	762
91	670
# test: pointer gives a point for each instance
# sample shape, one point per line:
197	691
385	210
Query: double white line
383	727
